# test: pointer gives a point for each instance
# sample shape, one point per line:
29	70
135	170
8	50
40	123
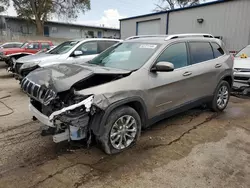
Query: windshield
24	45
244	51
127	55
64	47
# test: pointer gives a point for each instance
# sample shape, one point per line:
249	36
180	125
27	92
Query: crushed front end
67	114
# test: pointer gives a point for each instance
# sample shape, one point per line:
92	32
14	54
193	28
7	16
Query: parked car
242	66
11	45
9	55
130	86
79	50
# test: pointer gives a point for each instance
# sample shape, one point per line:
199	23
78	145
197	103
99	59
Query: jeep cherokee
130	86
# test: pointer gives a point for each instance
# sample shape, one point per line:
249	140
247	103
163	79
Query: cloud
110	18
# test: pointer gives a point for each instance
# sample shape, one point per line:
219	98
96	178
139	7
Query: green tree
164	5
39	11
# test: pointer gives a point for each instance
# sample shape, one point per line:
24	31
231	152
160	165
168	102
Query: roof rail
145	36
189	35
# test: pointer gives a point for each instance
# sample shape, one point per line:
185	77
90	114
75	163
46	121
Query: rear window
218	51
200	51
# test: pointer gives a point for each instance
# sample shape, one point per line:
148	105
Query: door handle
218	65
187	73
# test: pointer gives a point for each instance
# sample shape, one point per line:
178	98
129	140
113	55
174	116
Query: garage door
148	27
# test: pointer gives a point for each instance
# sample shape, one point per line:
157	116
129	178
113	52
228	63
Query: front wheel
221	97
122	129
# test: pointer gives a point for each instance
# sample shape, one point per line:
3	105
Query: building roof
64	23
178	9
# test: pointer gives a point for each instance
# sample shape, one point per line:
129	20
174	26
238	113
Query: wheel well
140	110
229	80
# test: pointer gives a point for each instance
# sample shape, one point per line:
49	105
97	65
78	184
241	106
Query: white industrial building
227	19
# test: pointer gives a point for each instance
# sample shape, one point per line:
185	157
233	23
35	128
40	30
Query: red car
9	55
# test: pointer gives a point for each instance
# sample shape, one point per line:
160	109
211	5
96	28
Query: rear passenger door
202	70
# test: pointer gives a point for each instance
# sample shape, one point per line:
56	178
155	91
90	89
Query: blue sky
110	11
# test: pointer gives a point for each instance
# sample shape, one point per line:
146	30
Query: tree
164	5
3	5
38	11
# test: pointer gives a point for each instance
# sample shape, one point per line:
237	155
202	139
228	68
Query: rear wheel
122	129
221	97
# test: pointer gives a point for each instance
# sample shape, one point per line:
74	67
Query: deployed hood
38	57
62	77
243	63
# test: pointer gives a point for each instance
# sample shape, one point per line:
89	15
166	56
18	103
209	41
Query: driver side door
170	90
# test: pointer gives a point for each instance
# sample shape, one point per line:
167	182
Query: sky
109	12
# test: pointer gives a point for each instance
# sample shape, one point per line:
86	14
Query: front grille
241	78
242	70
37	92
17	67
25	72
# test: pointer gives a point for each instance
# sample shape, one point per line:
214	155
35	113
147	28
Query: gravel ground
194	149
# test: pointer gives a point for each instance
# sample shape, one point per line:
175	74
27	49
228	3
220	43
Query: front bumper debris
87	103
41	117
76	126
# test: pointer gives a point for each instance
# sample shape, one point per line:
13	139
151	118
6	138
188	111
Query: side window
176	54
103	45
8	46
45	45
33	45
16	45
200	51
218	51
88	48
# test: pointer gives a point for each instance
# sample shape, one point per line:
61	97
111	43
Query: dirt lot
195	149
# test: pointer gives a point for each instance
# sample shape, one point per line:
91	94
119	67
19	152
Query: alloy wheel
123	132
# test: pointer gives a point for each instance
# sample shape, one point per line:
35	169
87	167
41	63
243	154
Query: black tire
213	104
119	112
12	61
7	62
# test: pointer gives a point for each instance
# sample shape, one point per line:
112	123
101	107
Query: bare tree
38	11
164	5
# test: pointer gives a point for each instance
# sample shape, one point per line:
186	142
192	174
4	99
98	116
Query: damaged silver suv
130	86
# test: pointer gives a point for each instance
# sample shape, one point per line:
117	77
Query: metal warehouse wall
231	20
128	27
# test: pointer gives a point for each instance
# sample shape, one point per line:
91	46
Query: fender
98	120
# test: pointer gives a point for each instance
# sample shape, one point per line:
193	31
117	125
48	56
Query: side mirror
163	66
78	53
